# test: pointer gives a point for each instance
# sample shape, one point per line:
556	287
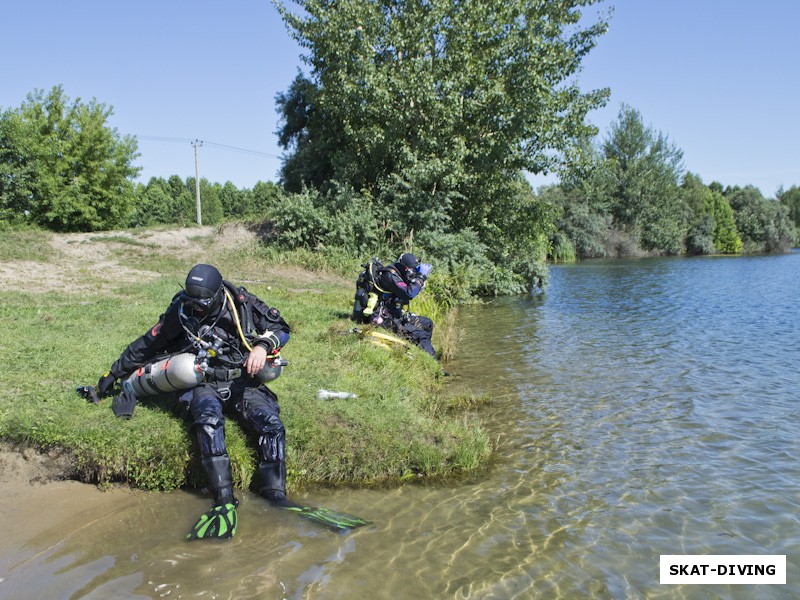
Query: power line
243	150
156	138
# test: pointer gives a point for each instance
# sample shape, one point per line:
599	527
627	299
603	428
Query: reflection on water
640	408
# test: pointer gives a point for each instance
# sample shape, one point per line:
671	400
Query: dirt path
97	253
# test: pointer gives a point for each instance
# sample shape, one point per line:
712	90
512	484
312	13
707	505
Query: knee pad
272	447
262	413
209	424
423	323
211	439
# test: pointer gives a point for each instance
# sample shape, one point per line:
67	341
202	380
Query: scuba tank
366	295
179	372
271	370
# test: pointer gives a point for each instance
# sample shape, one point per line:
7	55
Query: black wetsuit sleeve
394	284
157	340
271	328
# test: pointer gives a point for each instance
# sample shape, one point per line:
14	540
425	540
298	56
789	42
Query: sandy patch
98	253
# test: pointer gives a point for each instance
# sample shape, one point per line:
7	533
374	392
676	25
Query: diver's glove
123	404
105	384
424	269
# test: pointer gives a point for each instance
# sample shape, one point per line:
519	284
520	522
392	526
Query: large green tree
433	109
711	223
791	200
764	224
62	166
646	170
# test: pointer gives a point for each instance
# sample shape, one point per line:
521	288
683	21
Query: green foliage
252	204
174	202
764	224
299	223
623	196
726	235
700	237
791	200
434	109
153	204
62	167
211	210
562	250
624	199
460	263
583	225
645	169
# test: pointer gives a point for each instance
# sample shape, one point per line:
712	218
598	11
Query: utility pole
196	144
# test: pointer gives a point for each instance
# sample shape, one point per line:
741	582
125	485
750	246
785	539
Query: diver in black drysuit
204	310
396	285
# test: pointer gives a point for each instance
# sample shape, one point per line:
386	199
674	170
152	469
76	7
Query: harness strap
374	282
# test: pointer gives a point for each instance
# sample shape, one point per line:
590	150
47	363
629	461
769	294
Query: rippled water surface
640	408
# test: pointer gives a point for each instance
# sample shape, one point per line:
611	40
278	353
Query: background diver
382	292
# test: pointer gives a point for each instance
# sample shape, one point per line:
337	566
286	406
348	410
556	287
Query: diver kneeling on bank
214	348
383	294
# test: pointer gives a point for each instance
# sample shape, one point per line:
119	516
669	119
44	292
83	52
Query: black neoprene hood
408	260
203	281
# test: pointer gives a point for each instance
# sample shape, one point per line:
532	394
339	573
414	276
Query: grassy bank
70	304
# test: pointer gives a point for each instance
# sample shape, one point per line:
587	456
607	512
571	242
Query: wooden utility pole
196	144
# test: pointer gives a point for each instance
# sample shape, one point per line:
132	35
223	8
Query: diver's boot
218	474
272	476
272	467
221	521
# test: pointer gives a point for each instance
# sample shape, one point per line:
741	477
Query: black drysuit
394	292
228	388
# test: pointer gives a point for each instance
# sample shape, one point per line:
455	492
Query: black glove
123	404
105	384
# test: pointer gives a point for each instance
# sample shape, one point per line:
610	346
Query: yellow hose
238	323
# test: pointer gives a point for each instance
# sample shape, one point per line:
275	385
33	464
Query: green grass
26	245
401	425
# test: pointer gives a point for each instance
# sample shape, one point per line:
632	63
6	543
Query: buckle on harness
227	374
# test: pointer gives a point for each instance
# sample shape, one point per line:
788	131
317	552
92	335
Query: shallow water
640	408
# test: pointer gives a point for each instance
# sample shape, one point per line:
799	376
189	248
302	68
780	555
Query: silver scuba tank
179	372
271	370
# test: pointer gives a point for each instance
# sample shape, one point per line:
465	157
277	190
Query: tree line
631	196
412	128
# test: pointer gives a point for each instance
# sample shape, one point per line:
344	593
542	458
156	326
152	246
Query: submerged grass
401	425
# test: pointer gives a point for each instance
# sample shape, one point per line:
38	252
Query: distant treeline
62	168
630	196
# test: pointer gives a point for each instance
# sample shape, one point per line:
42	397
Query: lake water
640	408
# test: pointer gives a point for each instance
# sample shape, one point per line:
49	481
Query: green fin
219	522
331	518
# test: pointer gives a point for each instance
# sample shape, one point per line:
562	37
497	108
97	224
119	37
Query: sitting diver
236	338
383	292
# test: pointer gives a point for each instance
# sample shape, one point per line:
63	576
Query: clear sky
721	78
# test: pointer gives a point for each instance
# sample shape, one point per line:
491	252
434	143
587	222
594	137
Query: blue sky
721	78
